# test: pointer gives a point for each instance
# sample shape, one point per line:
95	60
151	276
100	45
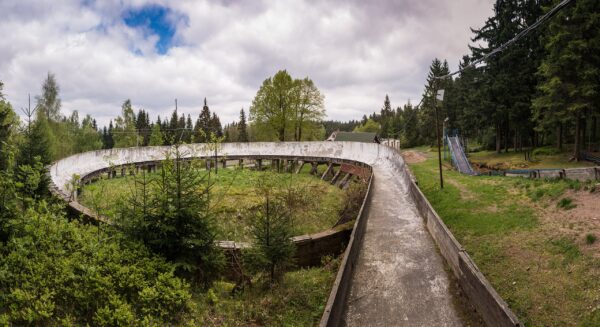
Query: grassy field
534	240
234	197
299	301
542	158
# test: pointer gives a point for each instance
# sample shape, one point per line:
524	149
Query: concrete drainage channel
483	297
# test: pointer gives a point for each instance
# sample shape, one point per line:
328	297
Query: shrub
566	203
272	251
545	151
58	272
590	239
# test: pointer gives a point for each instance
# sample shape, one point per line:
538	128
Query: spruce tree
570	86
241	126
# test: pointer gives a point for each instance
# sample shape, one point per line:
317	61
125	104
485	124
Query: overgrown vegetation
536	267
316	205
56	272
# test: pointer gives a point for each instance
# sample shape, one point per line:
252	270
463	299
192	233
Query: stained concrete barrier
492	308
582	174
334	309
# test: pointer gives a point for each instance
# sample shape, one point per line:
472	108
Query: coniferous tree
241	127
8	125
570	86
203	124
215	125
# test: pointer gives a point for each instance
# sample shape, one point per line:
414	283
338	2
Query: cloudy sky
103	52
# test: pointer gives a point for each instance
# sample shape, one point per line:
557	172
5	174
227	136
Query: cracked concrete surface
399	278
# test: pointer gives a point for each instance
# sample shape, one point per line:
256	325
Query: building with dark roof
354	137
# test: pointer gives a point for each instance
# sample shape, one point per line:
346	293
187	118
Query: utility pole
437	130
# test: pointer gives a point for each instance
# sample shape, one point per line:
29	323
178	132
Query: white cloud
355	52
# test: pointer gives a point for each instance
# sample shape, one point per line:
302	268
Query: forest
542	90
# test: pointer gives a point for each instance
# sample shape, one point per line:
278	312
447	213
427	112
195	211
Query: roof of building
355	137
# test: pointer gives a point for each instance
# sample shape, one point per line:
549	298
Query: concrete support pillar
300	165
344	180
258	164
241	163
327	171
224	163
335	177
313	168
137	169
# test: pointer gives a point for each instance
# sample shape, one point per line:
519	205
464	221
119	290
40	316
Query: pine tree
215	125
570	86
8	125
203	124
241	126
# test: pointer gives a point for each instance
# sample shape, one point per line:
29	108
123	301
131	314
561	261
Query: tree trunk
515	140
577	147
559	138
584	141
594	125
498	135
300	126
507	138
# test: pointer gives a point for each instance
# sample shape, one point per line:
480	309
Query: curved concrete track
400	278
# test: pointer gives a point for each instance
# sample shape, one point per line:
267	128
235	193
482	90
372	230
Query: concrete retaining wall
492	308
334	309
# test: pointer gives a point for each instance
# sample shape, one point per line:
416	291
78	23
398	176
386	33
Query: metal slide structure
459	159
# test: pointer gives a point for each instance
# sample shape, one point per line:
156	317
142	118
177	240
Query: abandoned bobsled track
392	273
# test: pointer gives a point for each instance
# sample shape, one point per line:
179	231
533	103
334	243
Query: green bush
590	239
566	203
545	151
58	272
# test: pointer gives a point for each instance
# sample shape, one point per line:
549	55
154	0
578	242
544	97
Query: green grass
539	270
298	301
542	158
234	197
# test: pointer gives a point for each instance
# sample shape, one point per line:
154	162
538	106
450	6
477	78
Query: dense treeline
542	90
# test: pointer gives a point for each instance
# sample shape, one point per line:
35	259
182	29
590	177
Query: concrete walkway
399	278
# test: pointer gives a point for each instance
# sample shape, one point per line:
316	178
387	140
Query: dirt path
412	156
578	222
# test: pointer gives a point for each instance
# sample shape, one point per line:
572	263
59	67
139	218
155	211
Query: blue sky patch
153	20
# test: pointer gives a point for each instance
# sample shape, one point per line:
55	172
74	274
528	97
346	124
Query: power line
521	34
